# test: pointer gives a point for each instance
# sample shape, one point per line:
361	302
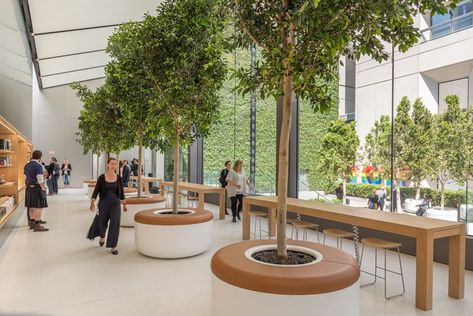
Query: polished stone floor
62	273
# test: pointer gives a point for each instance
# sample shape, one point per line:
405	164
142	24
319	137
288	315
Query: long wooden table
424	230
201	190
145	181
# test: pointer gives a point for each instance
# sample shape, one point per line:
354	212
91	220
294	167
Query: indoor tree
338	151
108	128
174	60
125	77
301	43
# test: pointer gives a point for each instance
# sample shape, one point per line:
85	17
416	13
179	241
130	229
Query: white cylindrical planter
85	185
135	205
244	286
173	236
90	190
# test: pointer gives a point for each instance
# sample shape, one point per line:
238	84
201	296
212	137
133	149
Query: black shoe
42	222
234	219
238	216
101	243
226	212
31	224
39	228
114	252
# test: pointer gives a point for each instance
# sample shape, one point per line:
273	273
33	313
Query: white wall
55	114
15	68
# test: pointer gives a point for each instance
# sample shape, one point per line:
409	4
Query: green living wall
229	138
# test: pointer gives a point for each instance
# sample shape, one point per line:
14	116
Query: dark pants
238	199
54	183
112	214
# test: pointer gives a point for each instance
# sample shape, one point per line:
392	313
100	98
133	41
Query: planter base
173	236
243	286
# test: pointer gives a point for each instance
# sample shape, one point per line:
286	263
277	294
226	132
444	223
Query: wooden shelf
7	184
19	152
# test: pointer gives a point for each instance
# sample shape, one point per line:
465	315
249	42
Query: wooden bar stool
258	216
339	234
378	243
304	226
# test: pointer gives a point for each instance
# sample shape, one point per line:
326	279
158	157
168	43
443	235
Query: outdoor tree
338	151
421	145
450	145
403	152
173	62
301	43
378	147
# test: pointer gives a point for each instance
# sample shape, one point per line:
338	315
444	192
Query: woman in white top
236	188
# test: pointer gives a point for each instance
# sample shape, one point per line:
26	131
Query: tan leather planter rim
145	200
337	270
92	185
130	190
150	218
90	181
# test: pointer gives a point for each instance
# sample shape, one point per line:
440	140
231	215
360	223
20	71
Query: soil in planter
293	257
178	213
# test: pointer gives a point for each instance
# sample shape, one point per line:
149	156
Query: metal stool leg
259	220
317	232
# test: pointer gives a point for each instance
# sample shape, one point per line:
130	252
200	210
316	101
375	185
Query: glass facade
455	20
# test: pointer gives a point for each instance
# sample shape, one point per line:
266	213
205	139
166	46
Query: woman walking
66	172
109	188
236	188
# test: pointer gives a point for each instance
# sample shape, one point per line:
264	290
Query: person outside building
381	193
223	180
110	189
373	201
35	199
66	172
339	192
236	188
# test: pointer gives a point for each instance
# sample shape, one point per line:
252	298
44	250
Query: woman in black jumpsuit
109	188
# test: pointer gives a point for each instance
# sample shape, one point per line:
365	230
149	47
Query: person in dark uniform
110	189
35	199
223	180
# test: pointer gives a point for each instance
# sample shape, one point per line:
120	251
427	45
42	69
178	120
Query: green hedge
452	198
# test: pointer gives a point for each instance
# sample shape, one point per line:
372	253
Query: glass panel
169	165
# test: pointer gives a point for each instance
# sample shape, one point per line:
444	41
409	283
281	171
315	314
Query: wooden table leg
161	189
272	222
424	270
222	204
246	220
456	265
201	201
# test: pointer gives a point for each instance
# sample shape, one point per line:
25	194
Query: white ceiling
69	37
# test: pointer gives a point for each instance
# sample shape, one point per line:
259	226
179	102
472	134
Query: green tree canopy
378	146
338	152
451	145
168	70
301	43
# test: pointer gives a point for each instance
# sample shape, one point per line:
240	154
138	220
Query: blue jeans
66	179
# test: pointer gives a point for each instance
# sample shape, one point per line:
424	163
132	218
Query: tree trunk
98	163
140	164
417	186
175	176
442	194
398	196
344	198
